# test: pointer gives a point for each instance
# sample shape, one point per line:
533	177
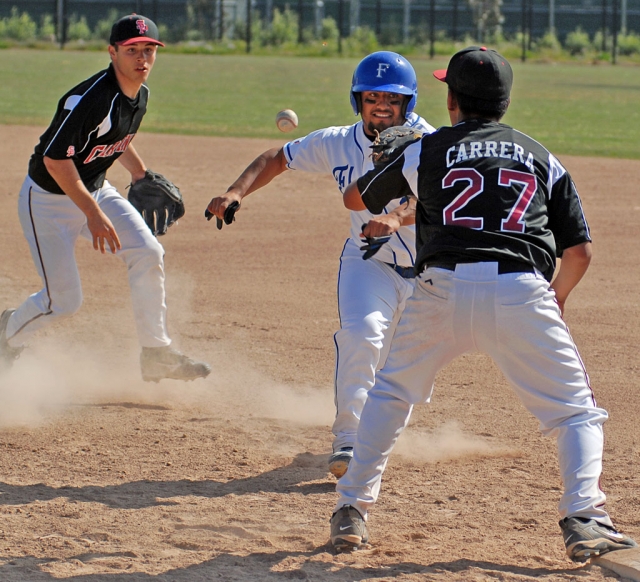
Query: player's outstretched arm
573	265
66	176
258	173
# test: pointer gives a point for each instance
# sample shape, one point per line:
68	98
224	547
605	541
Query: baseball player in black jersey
494	210
65	195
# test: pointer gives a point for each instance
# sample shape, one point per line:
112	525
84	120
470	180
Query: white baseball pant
52	224
514	319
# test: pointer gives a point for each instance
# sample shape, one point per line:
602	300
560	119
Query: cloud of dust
235	385
49	379
249	391
59	372
52	377
445	443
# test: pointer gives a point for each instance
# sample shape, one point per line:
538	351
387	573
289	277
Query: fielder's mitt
389	144
158	200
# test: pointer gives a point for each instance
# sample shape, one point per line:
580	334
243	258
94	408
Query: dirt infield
107	478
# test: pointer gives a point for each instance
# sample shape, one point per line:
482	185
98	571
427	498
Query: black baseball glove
390	144
158	200
374	244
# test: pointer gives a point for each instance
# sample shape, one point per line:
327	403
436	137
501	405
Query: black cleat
339	461
586	538
348	529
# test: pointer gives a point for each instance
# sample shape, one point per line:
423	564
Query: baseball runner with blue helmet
371	293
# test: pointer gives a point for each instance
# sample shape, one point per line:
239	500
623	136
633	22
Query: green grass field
572	109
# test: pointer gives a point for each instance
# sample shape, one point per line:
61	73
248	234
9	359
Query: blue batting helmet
384	71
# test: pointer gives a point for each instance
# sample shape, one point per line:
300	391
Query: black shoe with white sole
348	529
586	538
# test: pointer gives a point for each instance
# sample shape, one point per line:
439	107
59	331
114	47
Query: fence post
405	22
604	25
62	22
340	24
454	32
530	25
248	26
300	20
220	19
432	28
614	49
523	57
319	15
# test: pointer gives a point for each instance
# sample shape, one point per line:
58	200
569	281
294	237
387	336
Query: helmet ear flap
356	102
405	104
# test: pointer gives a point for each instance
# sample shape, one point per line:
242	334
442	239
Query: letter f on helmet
384	71
382	68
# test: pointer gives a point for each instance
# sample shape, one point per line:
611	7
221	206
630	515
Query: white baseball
286	120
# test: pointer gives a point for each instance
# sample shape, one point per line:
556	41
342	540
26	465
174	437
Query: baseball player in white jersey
371	293
495	209
65	195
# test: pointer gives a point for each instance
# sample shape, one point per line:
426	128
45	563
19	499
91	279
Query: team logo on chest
106	150
342	175
142	26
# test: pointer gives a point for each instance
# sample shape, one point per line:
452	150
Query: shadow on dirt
277	566
292	478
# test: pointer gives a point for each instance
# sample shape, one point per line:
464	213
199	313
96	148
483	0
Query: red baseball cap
134	28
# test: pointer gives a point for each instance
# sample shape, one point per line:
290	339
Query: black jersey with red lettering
93	125
486	192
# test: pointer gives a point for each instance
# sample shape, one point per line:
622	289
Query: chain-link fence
393	22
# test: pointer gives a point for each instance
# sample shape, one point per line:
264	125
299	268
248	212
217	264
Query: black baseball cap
134	28
479	72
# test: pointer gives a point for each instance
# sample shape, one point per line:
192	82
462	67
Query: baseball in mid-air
286	120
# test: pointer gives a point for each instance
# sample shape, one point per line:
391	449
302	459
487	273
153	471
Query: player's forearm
573	265
66	176
406	212
133	163
260	172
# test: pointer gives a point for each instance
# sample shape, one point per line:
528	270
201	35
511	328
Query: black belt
404	272
504	267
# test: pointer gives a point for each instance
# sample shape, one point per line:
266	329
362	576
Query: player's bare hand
382	225
219	204
103	232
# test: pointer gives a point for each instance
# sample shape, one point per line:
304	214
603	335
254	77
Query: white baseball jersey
344	152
